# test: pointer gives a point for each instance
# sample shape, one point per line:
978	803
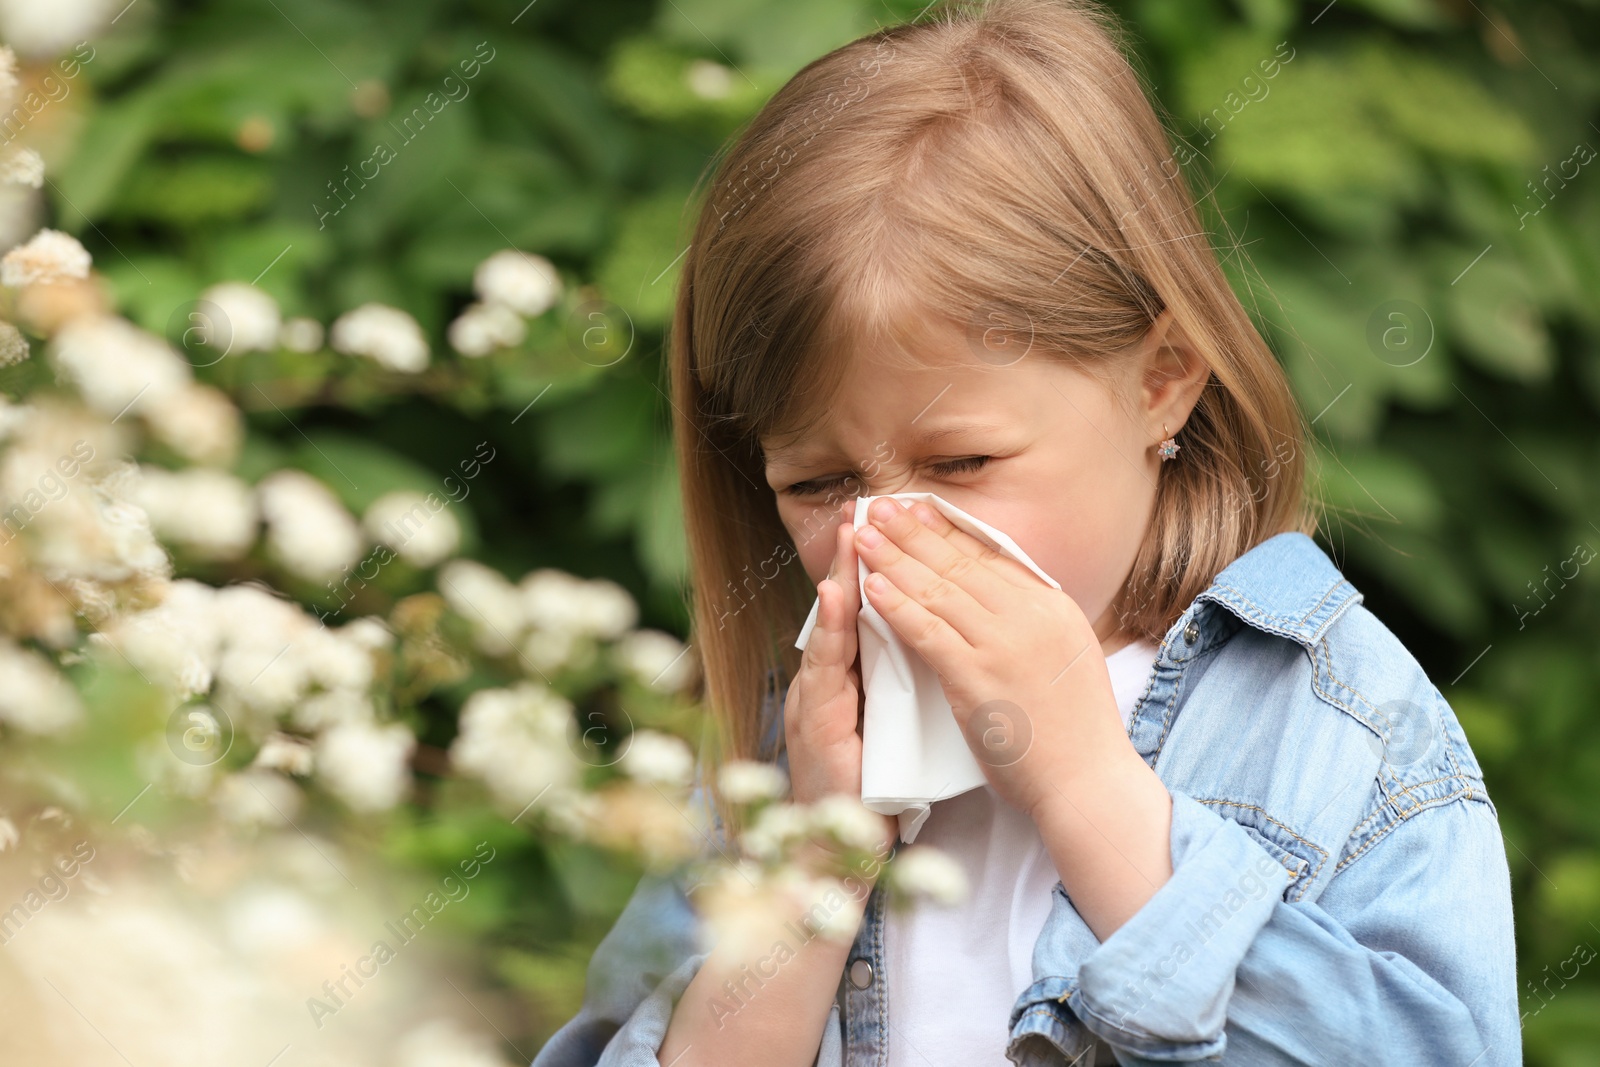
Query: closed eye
964	465
944	468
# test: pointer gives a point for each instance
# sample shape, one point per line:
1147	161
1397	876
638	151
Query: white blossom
22	166
34	697
13	346
45	30
155	643
249	318
774	830
821	901
210	512
284	752
332	707
554	650
482	328
272	919
333	659
51	256
8	834
272	658
257	798
115	365
307	527
516	740
598	607
926	872
523	281
418	527
483	597
652	756
446	1043
173	643
384	334
744	781
301	335
368	632
656	659
96	532
708	80
366	765
848	821
198	422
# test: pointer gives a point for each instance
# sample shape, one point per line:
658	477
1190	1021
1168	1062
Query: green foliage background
1388	161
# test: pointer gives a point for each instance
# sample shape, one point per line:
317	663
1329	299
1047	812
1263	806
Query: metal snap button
1191	633
860	974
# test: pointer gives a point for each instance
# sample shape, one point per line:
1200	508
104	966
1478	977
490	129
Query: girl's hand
823	708
1018	660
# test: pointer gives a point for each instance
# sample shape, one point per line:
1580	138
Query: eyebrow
925	439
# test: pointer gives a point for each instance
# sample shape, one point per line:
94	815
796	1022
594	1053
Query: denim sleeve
638	971
1406	957
635	978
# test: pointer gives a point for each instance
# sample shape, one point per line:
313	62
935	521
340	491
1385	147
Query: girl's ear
1172	376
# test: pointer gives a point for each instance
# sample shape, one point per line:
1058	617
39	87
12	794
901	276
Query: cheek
817	558
1087	550
1090	552
812	528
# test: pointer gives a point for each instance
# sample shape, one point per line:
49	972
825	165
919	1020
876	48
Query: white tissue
912	751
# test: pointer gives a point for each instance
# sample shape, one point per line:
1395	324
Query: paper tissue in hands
912	751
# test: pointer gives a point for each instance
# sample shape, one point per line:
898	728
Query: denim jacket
1339	893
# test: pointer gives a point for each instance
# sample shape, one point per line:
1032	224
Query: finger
950	585
846	567
968	545
826	655
930	636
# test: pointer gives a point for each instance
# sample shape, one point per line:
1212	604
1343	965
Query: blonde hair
999	164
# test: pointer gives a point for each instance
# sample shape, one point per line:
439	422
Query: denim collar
1285	585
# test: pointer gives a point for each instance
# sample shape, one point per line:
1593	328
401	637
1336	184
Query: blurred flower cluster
218	715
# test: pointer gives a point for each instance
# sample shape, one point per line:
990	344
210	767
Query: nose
886	479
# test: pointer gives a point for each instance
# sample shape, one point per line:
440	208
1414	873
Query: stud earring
1168	448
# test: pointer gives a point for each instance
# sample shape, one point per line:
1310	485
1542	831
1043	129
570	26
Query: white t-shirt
955	972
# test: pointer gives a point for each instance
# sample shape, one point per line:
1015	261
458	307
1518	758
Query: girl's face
1062	461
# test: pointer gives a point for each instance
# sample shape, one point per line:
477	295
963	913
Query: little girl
958	257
